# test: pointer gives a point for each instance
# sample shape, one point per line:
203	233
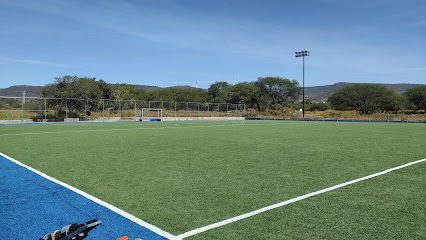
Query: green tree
220	92
85	89
126	92
59	89
105	88
275	90
243	93
417	97
84	92
396	102
73	87
318	106
366	98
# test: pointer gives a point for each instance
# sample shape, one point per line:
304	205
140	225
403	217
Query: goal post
151	114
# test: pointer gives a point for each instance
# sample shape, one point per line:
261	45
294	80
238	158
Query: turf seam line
268	208
96	200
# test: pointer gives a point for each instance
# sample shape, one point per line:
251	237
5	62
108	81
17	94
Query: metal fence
36	109
403	118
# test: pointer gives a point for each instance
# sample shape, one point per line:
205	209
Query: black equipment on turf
73	231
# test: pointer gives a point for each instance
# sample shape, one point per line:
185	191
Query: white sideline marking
127	129
250	214
97	200
101	130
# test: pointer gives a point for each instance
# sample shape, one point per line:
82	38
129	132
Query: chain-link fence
36	109
407	118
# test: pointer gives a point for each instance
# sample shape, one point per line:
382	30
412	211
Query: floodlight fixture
303	54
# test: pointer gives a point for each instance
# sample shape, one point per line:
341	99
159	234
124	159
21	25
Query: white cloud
31	61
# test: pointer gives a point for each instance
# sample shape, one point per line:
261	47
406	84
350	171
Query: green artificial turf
181	176
392	206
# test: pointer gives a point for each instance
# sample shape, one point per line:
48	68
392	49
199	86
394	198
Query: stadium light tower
303	54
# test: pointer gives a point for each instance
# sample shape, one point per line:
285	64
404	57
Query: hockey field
217	179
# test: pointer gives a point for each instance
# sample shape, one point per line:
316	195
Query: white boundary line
97	200
106	130
250	214
138	128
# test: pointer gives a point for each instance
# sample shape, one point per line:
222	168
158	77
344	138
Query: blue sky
177	42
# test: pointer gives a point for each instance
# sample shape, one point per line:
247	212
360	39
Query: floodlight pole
303	114
303	54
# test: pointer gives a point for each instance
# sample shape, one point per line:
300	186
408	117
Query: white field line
129	129
97	200
250	214
105	130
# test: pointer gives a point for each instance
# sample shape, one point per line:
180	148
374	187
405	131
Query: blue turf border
32	206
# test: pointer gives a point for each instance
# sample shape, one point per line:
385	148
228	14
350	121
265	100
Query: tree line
371	98
262	94
266	94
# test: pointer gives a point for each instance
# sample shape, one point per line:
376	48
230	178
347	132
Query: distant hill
34	91
321	93
16	91
183	87
147	88
318	93
152	88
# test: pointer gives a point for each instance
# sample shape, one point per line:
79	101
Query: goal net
151	114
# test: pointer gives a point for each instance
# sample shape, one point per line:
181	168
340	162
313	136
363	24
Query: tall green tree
67	87
126	92
85	89
85	93
220	92
60	87
272	91
105	88
366	98
243	92
417	97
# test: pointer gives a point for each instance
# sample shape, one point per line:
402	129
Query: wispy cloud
31	61
353	50
173	26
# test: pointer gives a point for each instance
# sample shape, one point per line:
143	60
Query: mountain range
318	93
34	91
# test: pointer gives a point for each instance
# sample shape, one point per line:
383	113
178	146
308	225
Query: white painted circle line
250	214
97	200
